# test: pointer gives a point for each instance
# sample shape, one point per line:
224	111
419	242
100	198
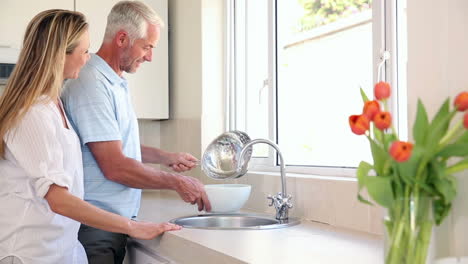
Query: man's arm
178	161
119	168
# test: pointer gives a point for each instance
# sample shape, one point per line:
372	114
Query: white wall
437	57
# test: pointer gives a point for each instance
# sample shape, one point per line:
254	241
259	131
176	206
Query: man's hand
192	191
181	161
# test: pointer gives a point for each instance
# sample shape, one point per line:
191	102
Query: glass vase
408	231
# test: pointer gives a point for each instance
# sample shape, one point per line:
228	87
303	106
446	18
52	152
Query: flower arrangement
413	181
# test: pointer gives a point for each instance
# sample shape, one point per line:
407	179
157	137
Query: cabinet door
16	14
150	84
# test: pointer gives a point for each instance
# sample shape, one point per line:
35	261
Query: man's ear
122	39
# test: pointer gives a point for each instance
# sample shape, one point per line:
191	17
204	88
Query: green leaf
380	156
423	184
463	138
363	95
362	200
454	150
457	167
446	189
436	170
453	181
390	137
378	134
441	113
438	128
380	190
421	124
440	210
362	174
397	182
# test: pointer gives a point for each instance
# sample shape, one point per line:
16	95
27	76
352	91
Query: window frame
386	31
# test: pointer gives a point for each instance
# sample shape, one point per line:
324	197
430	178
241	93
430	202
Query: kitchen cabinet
16	14
150	84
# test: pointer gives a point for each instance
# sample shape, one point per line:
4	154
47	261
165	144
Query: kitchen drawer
137	254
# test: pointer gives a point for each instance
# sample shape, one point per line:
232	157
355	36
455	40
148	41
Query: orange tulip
461	101
383	120
465	120
401	151
371	108
382	90
359	124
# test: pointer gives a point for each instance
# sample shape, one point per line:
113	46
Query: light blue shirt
99	108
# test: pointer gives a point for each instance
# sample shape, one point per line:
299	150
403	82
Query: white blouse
40	151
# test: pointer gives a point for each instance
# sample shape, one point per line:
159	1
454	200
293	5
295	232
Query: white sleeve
35	147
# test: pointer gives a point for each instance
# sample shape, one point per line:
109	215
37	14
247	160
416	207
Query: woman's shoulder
42	105
40	110
39	117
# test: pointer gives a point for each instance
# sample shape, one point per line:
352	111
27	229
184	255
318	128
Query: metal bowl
221	158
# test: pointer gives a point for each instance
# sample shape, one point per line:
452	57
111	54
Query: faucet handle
272	200
288	201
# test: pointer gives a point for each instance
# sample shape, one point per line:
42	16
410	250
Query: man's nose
149	55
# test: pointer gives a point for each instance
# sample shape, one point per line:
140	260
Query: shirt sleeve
35	147
90	108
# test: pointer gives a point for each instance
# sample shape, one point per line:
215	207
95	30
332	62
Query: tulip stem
385	103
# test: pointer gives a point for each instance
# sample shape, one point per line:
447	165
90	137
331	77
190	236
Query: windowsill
304	175
304	171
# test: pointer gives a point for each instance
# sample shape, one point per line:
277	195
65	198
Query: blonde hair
49	36
133	17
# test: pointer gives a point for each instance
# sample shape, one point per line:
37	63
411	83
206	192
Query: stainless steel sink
233	221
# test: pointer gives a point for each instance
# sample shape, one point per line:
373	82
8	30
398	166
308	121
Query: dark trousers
102	247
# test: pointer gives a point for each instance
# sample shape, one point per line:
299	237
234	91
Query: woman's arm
62	202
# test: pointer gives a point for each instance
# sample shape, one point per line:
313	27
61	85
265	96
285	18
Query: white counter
305	243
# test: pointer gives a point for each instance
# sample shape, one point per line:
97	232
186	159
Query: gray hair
133	17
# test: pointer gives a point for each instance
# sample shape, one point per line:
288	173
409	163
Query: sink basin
233	221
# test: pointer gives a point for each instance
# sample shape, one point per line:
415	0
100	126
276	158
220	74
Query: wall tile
312	200
347	210
376	216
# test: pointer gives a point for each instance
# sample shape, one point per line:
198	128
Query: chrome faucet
282	200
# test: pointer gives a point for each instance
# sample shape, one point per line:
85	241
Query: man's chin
131	70
135	68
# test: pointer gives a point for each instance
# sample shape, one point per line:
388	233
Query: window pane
252	71
324	55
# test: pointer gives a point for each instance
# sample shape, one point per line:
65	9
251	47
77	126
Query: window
295	68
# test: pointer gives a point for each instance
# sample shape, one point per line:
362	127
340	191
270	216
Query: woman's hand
147	230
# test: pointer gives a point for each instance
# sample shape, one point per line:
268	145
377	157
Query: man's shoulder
88	76
89	82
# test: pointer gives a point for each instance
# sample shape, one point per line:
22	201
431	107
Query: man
98	105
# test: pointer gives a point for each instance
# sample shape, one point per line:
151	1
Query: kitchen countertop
308	242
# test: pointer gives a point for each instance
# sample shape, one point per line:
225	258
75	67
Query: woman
41	178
